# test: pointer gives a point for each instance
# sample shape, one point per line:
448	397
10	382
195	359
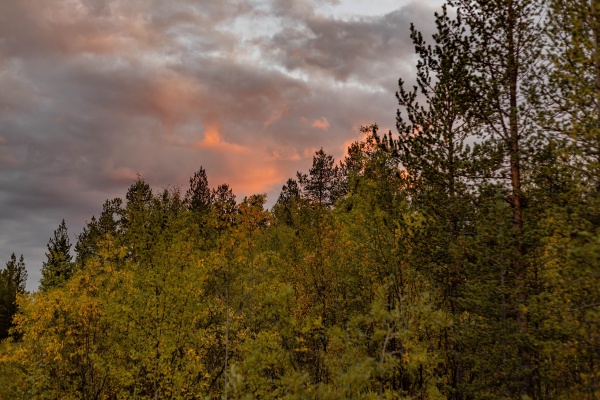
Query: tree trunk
519	267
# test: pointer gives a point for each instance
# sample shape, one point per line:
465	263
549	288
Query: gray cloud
363	48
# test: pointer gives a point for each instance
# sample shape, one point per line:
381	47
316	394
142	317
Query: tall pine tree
505	51
432	147
58	267
199	197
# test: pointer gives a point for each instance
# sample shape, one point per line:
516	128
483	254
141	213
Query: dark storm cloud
94	92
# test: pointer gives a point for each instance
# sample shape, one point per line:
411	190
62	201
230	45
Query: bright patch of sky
255	25
363	8
355	8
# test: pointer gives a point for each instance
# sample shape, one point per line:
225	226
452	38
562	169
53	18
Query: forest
457	258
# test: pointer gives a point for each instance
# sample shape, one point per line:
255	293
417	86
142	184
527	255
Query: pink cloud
309	152
122	174
276	116
286	155
8	159
213	141
259	179
321	123
171	97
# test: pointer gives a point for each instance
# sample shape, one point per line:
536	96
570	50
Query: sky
95	92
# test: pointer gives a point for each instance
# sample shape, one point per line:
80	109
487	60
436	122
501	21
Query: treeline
458	258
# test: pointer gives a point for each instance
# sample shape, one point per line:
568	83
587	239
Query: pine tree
290	191
58	267
504	53
199	197
324	183
432	138
137	221
224	207
12	282
432	148
287	203
138	198
198	200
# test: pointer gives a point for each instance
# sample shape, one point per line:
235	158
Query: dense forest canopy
458	258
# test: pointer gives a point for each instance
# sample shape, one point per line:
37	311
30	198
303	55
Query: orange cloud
321	123
97	43
291	155
346	144
8	159
309	152
213	140
258	179
122	174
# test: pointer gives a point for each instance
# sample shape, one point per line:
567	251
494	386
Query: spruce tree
12	282
198	200
58	267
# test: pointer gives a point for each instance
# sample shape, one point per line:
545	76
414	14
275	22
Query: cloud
95	92
212	140
362	49
320	123
122	175
279	114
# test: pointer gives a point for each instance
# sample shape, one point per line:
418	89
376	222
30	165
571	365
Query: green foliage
570	104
